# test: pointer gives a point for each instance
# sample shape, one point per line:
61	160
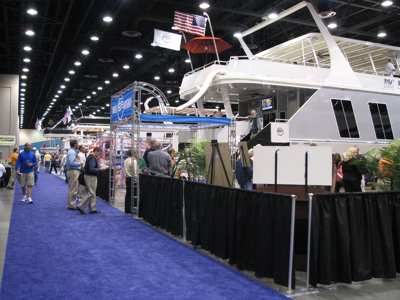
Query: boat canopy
311	49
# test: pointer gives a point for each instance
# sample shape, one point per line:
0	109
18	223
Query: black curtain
161	202
250	229
103	184
355	237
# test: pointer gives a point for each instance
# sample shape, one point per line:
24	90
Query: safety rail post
184	228
310	206
276	171
291	251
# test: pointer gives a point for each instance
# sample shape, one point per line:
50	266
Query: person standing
82	155
73	169
54	163
25	167
389	68
47	161
2	175
91	170
159	161
244	174
12	161
353	170
131	171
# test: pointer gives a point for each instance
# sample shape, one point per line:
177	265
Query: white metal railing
215	62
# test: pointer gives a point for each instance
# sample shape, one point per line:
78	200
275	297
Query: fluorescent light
77	63
126	67
85	52
31	11
204	5
94	38
107	81
138	56
171	70
29	32
332	25
273	15
115	75
26	60
387	3
381	34
157	78
66	79
27	48
25	70
107	19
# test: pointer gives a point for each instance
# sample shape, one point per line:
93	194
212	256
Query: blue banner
184	119
122	106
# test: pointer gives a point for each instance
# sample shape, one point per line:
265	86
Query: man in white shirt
2	174
389	68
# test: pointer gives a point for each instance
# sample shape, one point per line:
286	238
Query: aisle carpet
53	253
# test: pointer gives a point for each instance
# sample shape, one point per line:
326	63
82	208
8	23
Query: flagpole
188	53
212	34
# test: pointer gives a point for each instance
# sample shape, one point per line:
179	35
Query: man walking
73	169
25	167
91	170
12	162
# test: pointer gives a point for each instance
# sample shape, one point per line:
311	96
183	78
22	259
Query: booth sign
122	106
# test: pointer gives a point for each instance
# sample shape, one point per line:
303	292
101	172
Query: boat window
345	118
381	120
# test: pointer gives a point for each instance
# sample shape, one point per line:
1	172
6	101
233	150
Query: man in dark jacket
88	194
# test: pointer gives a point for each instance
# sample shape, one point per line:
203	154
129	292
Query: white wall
30	136
9	89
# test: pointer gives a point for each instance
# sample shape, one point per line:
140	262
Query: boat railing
215	62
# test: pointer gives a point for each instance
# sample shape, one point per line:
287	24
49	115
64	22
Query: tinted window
345	118
381	120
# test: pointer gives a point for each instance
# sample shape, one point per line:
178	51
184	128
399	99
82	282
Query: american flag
193	24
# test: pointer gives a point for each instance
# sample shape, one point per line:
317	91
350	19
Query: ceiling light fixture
138	56
126	67
23	90
77	63
84	100
107	81
27	48
29	32
387	3
24	77
25	70
56	96
99	88
66	79
62	86
332	25
204	5
273	15
31	11
381	34
88	97
85	52
23	84
26	60
171	70
94	38
59	92
71	72
108	104
94	93
169	92
107	19
115	75
157	78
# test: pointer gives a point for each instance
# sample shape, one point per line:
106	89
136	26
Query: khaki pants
12	178
88	196
73	185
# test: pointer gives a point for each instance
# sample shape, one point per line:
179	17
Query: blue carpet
53	253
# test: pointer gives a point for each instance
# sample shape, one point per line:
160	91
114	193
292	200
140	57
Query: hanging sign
122	106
